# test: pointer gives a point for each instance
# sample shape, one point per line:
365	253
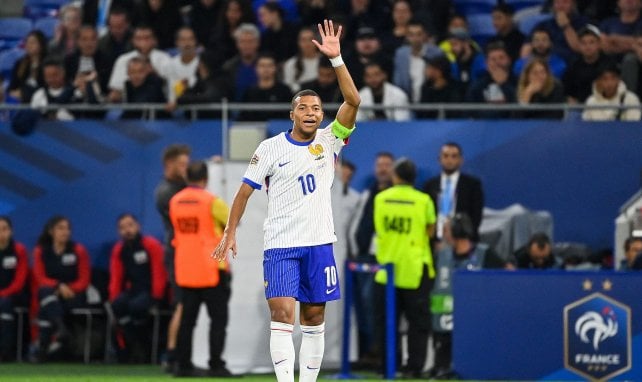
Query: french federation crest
597	337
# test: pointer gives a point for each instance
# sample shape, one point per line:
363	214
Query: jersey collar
288	136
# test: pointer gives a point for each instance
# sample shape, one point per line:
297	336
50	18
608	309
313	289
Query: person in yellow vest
404	220
198	218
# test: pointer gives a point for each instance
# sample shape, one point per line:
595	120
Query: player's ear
291	115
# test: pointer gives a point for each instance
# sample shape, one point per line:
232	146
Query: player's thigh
319	276
281	272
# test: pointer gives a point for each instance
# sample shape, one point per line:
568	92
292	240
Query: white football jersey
298	177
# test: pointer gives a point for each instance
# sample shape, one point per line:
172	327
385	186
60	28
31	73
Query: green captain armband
341	131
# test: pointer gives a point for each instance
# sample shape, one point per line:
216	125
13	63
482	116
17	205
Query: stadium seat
46	25
13	30
36	9
521	4
481	27
527	24
8	59
471	7
90	314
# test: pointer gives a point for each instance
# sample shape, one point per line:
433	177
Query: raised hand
330	44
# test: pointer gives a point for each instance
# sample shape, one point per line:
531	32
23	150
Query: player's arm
228	242
330	46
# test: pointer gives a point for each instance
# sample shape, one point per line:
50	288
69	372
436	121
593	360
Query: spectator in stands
404	220
367	48
144	43
562	29
507	31
455	192
240	70
457	25
61	272
181	73
369	350
632	66
87	63
579	76
325	83
268	89
497	85
345	205
439	87
279	36
117	40
208	88
137	281
379	92
537	254
175	162
465	253
313	12
14	268
163	16
199	218
95	12
618	31
143	86
401	15
409	59
55	91
361	13
26	75
610	91
632	253
235	13
467	60
66	34
541	47
202	16
304	65
537	85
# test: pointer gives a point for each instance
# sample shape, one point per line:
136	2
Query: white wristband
336	61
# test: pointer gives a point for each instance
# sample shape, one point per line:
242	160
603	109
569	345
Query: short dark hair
455	145
461	227
406	170
504	8
304	92
197	172
348	164
6	219
495	45
175	150
629	242
53	61
385	154
540	239
125	215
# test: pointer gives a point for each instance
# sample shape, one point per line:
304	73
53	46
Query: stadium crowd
401	52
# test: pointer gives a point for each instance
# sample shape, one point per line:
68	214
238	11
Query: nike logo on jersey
328	291
284	163
281	361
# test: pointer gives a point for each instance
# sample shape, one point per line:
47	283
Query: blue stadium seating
43	8
7	60
521	4
46	25
471	7
481	27
12	31
527	24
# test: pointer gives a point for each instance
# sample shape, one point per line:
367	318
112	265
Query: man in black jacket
455	192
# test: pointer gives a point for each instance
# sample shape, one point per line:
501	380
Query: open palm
330	45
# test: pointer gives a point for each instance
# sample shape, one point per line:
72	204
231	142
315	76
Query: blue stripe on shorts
309	274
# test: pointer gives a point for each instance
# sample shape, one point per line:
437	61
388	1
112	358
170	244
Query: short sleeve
260	167
337	143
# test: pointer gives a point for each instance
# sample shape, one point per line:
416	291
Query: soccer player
298	264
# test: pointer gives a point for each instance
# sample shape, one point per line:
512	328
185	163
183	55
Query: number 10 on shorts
330	276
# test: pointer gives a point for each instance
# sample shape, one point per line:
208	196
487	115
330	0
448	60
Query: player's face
450	159
307	115
128	228
384	169
5	234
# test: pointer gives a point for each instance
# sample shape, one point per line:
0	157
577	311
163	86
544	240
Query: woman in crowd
26	76
67	31
14	266
537	85
61	271
303	66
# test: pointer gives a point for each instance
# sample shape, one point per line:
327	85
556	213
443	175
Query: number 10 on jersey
308	184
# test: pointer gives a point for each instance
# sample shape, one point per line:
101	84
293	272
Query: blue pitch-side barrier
556	325
351	268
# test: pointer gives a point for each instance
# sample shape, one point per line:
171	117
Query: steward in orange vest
198	218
